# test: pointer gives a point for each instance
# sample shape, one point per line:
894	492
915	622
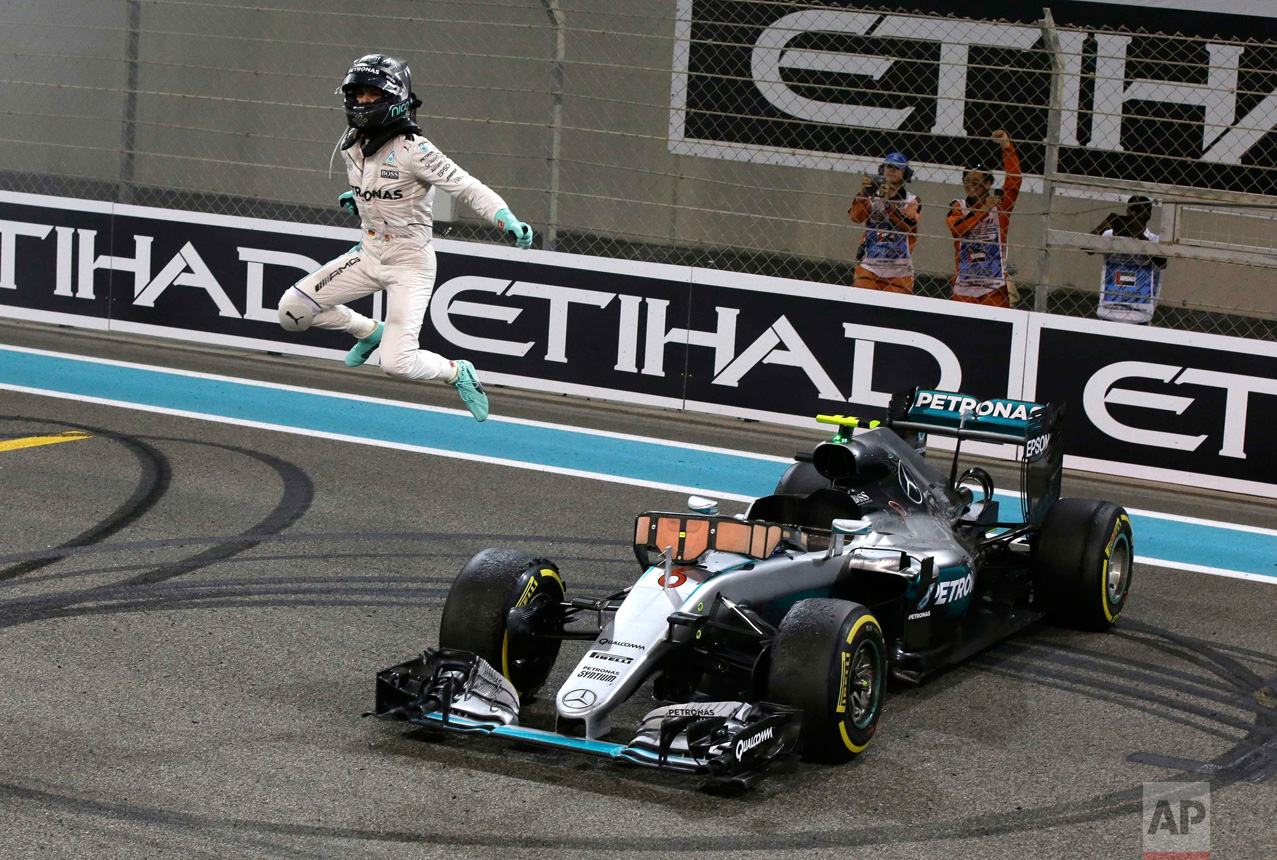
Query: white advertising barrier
1180	407
1145	402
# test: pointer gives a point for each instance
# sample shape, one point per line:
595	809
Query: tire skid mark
147	607
1074	671
1123	803
26	610
294	502
1232	697
1256	756
1193	651
67	552
269	559
1126	661
168	595
151	487
1078	683
1253	756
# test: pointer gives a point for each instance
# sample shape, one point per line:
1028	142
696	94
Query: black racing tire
1082	563
823	651
801	479
476	613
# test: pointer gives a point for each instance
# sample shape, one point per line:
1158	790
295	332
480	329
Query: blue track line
1214	546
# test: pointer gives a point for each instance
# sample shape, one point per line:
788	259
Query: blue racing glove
521	232
347	202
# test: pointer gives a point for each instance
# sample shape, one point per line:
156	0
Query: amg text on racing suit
393	172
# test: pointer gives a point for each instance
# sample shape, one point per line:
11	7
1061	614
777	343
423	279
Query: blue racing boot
364	348
471	390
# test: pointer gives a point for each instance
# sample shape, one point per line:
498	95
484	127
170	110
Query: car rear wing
1037	428
946	413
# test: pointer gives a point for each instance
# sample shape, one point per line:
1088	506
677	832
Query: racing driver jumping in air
393	171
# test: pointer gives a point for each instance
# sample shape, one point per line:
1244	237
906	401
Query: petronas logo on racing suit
379	193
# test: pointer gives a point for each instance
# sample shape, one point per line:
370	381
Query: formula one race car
773	633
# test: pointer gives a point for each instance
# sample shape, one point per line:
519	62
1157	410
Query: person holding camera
979	226
890	215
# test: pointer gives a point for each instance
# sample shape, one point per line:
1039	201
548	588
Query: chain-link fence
725	133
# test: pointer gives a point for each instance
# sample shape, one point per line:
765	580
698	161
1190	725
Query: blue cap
896	159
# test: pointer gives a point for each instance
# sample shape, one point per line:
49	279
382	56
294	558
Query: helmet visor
371	76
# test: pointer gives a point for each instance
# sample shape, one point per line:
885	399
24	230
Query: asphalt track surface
191	615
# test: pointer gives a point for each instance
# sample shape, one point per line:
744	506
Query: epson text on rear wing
1038	428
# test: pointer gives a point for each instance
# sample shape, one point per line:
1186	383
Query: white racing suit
395	191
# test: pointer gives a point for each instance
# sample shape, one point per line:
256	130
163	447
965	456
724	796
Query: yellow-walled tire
829	658
476	614
1082	563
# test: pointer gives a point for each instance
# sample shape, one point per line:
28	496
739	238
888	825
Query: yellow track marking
35	441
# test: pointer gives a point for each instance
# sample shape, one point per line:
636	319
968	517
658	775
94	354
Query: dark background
1067	360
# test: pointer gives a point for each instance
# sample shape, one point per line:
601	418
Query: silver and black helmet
387	74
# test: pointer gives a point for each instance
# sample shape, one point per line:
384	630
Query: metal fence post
128	140
557	20
1051	156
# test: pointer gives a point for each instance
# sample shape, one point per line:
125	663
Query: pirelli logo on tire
842	684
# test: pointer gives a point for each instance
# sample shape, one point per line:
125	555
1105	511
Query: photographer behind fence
1131	284
890	215
979	225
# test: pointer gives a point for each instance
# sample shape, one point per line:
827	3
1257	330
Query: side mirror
839	530
702	505
851	527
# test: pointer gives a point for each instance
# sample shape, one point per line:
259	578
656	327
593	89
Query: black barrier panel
1173	406
217	279
41	254
806	354
581	326
750	92
1195	406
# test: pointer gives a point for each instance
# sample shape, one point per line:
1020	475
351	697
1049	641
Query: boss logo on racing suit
389	174
379	193
954	590
611	658
621	644
744	745
1035	448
